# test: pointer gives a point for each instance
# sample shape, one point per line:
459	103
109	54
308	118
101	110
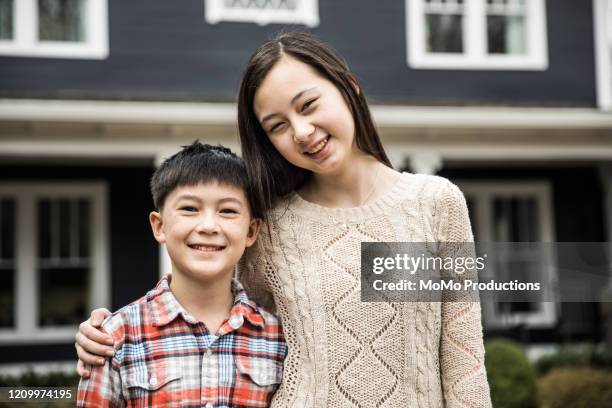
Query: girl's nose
302	130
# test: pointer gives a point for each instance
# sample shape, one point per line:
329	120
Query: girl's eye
188	208
308	104
276	127
229	211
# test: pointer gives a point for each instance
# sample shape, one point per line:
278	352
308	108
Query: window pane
6	19
63	295
516	220
44	229
83	228
7	297
7	262
444	33
7	228
61	20
506	35
64	228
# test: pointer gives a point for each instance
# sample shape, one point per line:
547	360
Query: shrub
510	375
590	356
31	379
575	388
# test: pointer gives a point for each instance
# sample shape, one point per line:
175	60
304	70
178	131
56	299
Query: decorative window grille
263	11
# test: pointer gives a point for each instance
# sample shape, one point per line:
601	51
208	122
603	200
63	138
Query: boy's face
206	228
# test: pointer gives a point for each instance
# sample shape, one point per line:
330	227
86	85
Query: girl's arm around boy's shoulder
103	388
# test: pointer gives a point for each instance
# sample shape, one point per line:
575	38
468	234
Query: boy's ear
254	228
157	225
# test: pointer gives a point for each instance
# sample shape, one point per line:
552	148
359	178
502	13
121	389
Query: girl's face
306	117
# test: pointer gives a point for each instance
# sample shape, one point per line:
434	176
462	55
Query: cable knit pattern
348	353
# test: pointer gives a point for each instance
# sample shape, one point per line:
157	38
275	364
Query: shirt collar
165	307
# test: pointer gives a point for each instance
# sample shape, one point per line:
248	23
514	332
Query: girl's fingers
94	334
81	371
92	352
98	316
87	357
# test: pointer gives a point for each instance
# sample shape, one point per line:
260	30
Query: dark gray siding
165	50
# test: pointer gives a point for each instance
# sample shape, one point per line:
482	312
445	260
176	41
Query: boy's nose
207	224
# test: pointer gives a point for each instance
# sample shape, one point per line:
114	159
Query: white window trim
484	193
306	13
26	44
603	52
26	330
475	54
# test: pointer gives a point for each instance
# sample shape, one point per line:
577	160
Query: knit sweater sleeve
252	270
463	373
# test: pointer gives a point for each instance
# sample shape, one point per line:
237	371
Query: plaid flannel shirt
166	358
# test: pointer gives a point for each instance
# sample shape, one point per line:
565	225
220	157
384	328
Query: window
476	34
54	28
263	11
53	259
515	212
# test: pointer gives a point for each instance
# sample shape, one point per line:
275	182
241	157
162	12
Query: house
510	99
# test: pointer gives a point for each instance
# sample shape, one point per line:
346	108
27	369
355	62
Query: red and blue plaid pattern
166	358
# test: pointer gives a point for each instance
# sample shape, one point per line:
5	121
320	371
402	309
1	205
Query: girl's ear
254	227
354	83
157	225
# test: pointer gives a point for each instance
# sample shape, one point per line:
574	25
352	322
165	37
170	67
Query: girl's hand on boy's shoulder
93	345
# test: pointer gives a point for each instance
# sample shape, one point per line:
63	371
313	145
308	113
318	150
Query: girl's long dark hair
271	175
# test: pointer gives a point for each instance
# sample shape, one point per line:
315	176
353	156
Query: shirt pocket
156	383
257	379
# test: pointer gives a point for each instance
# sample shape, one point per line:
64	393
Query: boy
195	339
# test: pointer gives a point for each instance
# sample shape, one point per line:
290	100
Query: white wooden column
425	163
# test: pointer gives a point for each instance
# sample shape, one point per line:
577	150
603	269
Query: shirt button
209	405
236	321
209	353
153	381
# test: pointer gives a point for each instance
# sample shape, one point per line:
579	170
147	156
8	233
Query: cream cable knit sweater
346	353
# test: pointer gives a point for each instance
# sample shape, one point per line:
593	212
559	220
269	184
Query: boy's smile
206	228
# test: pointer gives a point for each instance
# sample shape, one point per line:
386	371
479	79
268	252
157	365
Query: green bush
590	356
31	379
511	377
575	388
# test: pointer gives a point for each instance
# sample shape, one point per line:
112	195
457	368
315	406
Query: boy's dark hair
202	163
268	170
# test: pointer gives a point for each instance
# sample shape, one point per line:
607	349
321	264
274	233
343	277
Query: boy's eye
308	104
229	211
188	208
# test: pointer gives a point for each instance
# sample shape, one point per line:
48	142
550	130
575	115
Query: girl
314	155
